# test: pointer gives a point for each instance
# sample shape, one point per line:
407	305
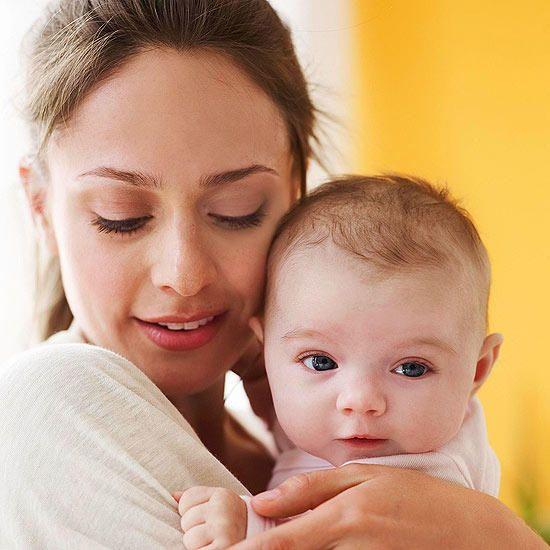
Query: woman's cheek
246	272
111	272
98	271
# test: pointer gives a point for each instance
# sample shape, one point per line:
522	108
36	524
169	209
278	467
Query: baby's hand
211	518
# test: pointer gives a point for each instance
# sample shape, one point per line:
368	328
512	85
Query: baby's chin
341	451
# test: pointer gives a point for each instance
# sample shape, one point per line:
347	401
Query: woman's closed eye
240	222
129	226
126	226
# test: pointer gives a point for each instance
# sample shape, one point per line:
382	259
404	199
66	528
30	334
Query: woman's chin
184	381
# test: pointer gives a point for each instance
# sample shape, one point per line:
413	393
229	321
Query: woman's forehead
170	111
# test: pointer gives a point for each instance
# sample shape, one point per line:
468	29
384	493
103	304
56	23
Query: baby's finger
194	516
197	537
193	496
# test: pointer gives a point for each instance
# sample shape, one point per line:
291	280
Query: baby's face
362	366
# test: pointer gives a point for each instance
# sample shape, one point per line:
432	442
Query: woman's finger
302	533
307	491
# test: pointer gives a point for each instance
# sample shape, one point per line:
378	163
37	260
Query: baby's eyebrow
303	333
434	341
431	341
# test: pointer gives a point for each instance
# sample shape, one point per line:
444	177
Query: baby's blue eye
411	369
319	363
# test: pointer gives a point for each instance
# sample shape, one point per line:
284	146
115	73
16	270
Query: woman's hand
368	506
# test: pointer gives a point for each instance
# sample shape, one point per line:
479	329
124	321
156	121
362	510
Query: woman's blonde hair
79	43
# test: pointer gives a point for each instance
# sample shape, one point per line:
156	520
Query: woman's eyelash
128	226
241	222
131	225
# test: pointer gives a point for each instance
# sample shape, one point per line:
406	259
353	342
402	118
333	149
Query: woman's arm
366	506
90	453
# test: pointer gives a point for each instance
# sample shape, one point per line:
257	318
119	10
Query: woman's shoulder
57	366
70	381
50	386
72	335
64	350
86	434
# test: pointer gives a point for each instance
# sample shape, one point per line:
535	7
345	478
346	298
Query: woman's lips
181	340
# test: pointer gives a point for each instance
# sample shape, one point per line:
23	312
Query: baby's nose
361	400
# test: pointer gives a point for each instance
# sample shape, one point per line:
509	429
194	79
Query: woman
170	137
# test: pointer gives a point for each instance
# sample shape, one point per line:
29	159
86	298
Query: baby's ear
256	324
487	357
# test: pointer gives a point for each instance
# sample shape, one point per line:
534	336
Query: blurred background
457	92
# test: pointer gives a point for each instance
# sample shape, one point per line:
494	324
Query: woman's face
165	188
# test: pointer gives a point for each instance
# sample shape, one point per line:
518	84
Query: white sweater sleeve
90	451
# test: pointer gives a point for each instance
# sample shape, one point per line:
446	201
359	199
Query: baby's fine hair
393	223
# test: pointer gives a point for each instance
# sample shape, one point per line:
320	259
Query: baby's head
375	318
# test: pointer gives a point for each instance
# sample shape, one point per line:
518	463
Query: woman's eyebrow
137	179
231	176
140	179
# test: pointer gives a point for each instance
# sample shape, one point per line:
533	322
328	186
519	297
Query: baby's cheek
292	414
288	414
433	429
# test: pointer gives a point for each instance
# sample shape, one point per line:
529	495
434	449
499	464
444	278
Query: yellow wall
459	92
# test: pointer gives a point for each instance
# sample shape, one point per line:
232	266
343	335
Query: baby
375	337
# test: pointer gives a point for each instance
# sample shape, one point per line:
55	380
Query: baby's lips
177	495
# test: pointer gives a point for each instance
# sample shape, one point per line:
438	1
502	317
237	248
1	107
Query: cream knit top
90	450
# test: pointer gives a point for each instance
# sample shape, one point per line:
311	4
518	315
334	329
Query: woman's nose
184	263
361	398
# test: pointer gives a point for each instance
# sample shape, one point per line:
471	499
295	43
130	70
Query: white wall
319	29
16	277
